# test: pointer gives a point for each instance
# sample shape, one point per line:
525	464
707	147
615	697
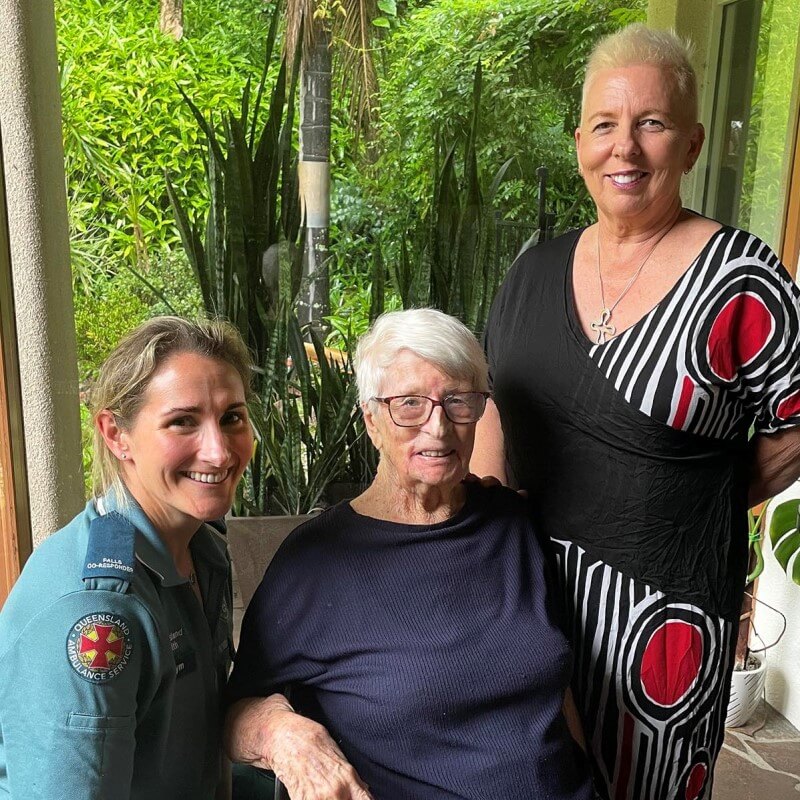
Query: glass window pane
754	116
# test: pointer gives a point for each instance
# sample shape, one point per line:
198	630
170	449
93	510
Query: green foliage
118	303
532	54
246	257
770	125
125	123
311	431
784	533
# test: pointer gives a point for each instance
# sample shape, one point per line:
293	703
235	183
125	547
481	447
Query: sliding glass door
753	126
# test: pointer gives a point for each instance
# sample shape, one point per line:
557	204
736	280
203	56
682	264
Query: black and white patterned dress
634	453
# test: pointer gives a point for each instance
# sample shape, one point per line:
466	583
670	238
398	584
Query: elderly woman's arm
774	463
266	732
573	719
488	455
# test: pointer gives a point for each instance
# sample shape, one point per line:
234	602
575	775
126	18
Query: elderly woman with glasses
413	623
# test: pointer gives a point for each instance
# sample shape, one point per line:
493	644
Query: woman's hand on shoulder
268	733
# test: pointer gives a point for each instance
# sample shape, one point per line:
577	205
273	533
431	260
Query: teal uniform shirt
111	671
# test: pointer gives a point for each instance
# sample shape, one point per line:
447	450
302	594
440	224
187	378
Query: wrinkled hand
487	481
310	764
267	733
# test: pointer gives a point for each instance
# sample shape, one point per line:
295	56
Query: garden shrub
125	121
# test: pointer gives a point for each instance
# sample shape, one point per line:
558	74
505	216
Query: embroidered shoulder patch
99	646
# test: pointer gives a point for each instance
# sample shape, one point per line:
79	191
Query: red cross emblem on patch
99	646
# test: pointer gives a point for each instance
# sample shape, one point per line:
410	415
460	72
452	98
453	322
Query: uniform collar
208	546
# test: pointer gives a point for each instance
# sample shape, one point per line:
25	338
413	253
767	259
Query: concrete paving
760	761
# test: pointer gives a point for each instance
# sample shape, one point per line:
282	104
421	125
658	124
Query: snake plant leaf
784	534
489	268
217	277
270	44
469	229
239	151
377	284
206	127
191	243
446	211
244	106
401	274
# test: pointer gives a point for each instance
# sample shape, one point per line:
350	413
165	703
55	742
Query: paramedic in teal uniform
116	641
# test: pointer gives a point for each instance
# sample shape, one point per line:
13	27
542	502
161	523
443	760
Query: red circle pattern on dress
738	334
696	782
789	406
671	662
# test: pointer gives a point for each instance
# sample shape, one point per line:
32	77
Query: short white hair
432	335
638	44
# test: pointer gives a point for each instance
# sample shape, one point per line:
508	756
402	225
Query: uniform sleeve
73	683
280	636
754	341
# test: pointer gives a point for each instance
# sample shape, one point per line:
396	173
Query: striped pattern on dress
650	681
723	345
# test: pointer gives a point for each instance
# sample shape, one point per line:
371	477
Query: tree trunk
314	175
171	18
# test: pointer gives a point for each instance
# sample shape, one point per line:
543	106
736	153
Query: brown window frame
790	246
15	525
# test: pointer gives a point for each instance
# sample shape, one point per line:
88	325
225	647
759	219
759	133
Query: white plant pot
747	687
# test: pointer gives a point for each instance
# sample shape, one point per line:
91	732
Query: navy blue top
431	653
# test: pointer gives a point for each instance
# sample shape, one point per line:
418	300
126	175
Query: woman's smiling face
435	453
188	444
634	143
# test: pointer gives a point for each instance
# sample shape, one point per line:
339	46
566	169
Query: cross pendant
603	327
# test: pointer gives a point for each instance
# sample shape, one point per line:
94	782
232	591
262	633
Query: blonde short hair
638	44
426	332
128	370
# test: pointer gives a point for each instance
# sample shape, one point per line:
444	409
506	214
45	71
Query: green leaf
389	7
381	22
785	537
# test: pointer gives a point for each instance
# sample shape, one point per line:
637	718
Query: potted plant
749	675
247	258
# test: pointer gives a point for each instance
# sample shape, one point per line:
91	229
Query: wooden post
790	249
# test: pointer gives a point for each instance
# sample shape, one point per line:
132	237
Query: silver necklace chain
602	326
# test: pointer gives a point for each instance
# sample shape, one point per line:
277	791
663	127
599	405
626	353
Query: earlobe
577	150
369	424
113	435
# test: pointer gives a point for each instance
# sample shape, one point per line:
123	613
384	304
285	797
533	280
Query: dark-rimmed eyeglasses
412	410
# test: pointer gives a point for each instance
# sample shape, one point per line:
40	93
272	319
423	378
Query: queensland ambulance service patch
99	646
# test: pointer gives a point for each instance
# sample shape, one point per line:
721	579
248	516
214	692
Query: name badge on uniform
185	659
185	662
110	553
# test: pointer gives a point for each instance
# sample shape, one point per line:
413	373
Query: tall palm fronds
353	37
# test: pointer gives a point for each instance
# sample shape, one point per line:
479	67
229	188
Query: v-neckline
572	310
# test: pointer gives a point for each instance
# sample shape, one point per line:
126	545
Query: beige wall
30	116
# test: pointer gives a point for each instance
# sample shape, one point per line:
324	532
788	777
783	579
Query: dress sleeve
765	341
76	677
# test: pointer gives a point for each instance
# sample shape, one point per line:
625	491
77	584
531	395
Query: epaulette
110	553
